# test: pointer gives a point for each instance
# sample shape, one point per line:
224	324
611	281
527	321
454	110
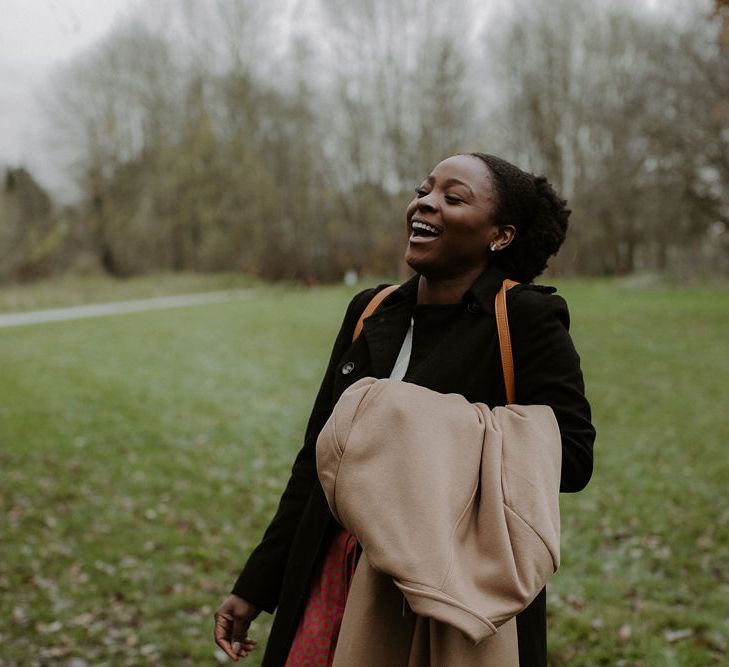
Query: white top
403	356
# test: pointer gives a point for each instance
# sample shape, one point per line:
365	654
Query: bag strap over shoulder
377	299
502	326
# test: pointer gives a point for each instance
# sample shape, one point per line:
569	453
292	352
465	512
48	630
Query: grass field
142	455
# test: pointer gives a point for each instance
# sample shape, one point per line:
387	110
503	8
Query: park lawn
142	456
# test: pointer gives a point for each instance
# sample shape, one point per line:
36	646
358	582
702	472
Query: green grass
646	545
142	455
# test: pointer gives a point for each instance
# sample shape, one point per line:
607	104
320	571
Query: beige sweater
456	508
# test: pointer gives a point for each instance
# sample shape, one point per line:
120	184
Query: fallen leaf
19	616
48	628
677	635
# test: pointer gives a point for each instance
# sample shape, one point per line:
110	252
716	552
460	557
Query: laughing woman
475	221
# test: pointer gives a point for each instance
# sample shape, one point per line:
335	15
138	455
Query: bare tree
592	97
400	88
284	138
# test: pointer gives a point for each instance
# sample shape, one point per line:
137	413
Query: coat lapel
483	291
385	329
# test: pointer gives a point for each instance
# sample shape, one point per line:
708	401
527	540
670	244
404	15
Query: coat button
348	368
473	307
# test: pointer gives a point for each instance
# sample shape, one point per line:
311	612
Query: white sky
36	35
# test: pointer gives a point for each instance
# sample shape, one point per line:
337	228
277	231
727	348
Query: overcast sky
36	35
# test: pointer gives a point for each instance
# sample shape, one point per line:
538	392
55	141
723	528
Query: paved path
120	307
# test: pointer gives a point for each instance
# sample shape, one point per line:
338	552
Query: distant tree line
284	139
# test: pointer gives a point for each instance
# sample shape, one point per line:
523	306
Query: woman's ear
503	238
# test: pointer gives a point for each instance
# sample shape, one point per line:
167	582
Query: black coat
466	361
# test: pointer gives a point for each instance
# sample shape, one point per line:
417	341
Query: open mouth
423	230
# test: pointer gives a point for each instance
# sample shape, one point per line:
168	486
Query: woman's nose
427	202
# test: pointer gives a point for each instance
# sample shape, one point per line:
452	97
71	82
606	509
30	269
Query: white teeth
425	227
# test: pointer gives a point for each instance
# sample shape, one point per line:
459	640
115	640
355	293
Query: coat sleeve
547	372
260	581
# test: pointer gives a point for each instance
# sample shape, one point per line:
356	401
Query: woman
474	221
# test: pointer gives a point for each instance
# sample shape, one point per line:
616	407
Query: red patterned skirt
316	636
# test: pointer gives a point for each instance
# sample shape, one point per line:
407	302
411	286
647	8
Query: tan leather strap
377	299
502	326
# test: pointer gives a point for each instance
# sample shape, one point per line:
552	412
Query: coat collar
485	287
385	329
483	290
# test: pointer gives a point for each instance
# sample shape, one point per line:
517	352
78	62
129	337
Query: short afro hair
530	204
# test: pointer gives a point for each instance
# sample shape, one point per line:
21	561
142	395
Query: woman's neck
446	290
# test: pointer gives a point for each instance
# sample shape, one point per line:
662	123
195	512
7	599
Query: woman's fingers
241	644
221	632
243	648
232	620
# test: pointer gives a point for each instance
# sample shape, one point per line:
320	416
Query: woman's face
449	220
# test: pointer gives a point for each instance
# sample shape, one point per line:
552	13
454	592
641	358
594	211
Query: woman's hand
232	620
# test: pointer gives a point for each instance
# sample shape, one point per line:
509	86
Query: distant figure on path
475	221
